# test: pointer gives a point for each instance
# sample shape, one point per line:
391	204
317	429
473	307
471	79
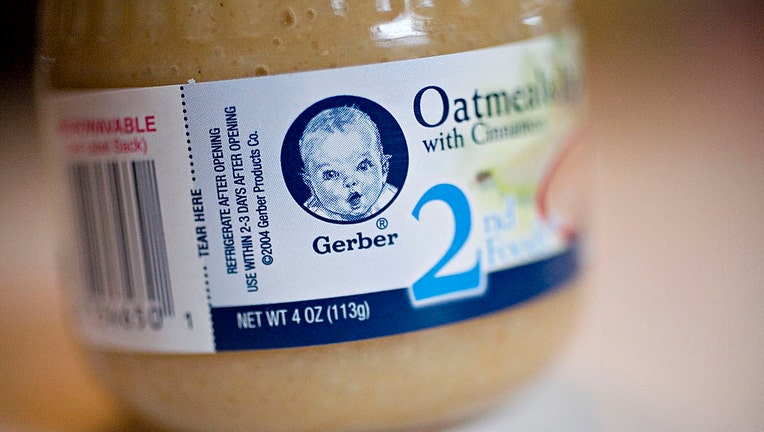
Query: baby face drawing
346	172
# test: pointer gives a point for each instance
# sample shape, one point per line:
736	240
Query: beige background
671	336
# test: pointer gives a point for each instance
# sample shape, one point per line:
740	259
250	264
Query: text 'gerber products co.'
315	213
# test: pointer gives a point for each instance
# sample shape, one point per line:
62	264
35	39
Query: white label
319	207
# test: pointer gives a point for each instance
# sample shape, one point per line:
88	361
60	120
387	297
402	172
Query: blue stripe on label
364	316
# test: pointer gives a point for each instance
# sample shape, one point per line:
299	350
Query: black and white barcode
120	227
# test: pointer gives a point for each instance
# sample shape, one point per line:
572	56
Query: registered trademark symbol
382	223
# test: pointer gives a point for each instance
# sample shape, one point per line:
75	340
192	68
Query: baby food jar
315	215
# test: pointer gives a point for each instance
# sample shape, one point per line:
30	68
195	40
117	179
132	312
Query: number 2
430	285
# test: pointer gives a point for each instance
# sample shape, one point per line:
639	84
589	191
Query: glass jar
434	375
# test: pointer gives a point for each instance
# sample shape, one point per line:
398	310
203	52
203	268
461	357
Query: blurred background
671	337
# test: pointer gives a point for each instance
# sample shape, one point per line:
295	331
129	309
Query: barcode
120	228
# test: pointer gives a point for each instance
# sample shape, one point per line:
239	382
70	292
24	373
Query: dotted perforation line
207	287
208	294
209	304
188	134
